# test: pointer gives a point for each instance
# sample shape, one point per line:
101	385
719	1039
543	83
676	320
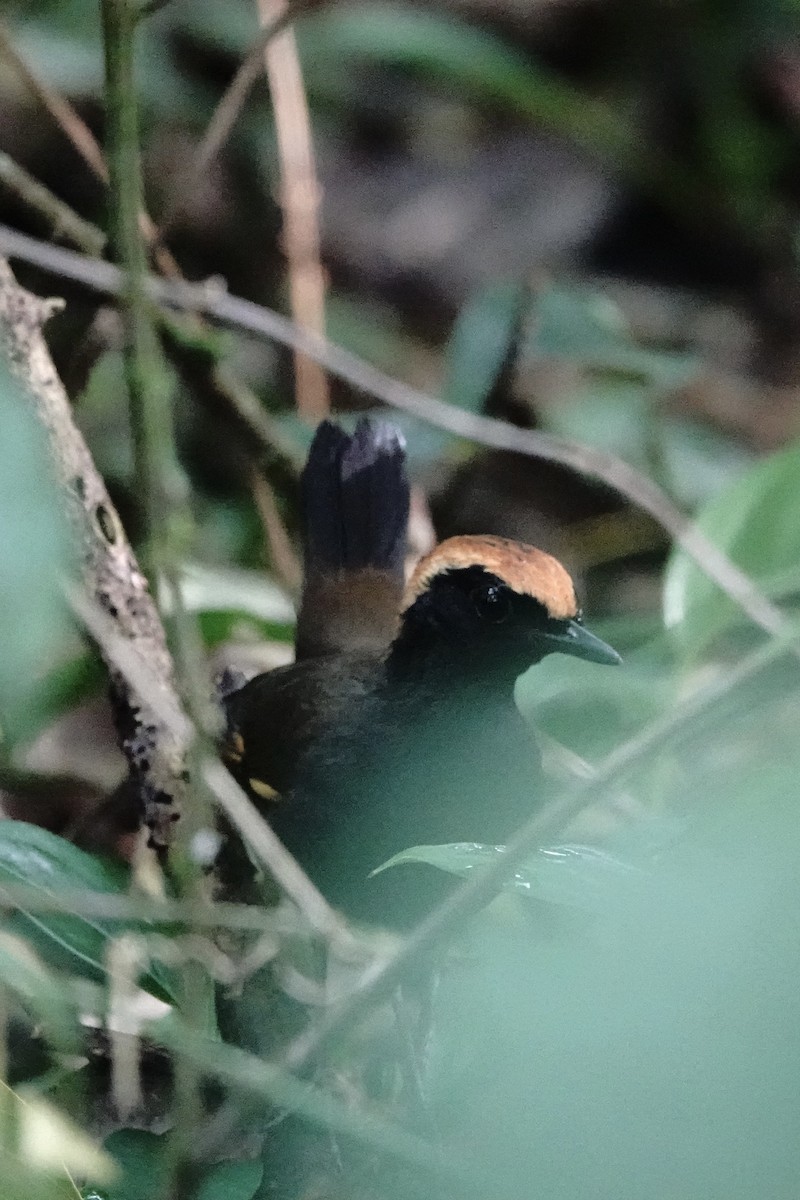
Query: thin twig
245	918
84	142
489	431
282	553
228	109
164	705
246	1073
151	416
300	202
280	863
62	112
65	222
380	981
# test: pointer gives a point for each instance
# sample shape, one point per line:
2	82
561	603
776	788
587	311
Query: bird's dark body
397	726
369	765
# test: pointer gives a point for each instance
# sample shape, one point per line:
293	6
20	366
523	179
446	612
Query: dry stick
165	706
83	140
64	115
586	460
300	202
153	745
381	981
285	561
228	109
63	220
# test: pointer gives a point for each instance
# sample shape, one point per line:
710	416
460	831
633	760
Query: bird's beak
572	638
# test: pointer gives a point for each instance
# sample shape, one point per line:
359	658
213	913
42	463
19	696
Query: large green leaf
144	1158
756	521
67	940
575	875
482	337
34	550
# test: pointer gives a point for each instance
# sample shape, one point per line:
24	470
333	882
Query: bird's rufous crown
524	569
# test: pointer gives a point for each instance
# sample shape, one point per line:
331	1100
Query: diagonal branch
155	749
489	431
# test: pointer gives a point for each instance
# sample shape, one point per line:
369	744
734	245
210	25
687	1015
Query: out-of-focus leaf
144	1158
231	1181
582	1048
235	603
586	328
699	461
591	709
611	414
475	63
481	339
228	589
53	1143
34	550
756	521
102	414
24	975
76	943
141	1158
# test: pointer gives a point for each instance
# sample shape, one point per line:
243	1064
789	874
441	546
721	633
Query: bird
396	727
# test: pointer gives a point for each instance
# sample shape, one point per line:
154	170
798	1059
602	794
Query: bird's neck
424	659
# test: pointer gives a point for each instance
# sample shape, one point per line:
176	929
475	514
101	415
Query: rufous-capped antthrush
397	726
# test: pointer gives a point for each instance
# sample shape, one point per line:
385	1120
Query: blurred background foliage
580	216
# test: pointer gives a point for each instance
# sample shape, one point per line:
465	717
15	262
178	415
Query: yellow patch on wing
263	789
233	750
524	569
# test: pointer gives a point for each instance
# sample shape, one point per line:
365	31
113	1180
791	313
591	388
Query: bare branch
63	220
300	202
155	750
229	107
85	143
585	460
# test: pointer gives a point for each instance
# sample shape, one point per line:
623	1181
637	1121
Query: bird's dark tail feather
355	493
356	498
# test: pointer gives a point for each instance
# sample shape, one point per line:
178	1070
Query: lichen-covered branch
155	750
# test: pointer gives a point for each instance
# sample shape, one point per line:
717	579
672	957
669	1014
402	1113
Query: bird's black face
479	623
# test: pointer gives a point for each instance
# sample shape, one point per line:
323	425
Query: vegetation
577	226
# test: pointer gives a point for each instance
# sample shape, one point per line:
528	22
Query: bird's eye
492	602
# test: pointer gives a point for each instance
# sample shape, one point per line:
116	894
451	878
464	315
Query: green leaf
144	1158
482	337
587	328
24	975
575	875
231	1181
756	521
34	552
66	940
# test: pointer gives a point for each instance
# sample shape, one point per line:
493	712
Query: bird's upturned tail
356	500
